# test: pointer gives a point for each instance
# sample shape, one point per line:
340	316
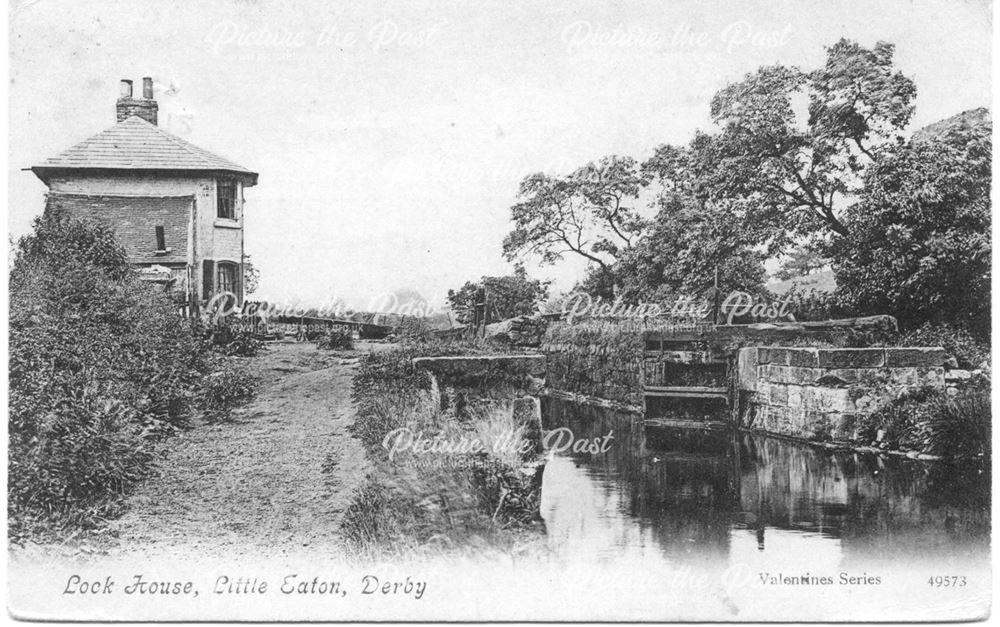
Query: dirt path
256	486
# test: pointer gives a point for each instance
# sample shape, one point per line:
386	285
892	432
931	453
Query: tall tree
920	232
689	245
799	171
590	213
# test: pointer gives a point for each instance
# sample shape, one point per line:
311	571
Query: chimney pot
129	106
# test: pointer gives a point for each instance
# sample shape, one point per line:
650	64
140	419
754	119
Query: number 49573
947	581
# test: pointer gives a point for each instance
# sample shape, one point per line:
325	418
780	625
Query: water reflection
714	497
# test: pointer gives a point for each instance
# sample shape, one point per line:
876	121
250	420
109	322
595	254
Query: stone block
903	357
957	375
777	394
763	354
746	368
851	357
791	374
831	399
903	376
816	426
932	376
774	356
794	396
802	357
845	426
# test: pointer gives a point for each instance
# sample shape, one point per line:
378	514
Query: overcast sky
390	136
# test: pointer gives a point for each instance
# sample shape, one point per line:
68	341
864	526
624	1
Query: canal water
679	497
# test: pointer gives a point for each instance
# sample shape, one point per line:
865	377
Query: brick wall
819	394
135	220
219	240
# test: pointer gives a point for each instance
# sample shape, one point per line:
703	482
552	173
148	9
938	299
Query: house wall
211	238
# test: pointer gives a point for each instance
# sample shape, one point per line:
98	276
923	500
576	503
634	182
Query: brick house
177	209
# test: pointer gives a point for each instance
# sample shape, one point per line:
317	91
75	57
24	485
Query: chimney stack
145	108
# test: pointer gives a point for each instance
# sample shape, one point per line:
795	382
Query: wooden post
717	303
486	308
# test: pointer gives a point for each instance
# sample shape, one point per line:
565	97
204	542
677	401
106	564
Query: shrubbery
231	340
958	341
100	365
336	340
932	421
227	388
398	512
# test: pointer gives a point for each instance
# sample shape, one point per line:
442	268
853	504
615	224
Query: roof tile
135	144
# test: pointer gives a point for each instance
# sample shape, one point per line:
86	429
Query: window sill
165	251
226	223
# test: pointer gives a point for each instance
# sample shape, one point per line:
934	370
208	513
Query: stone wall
520	331
594	362
819	393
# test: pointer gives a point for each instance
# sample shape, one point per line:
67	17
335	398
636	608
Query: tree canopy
920	246
809	166
591	213
508	296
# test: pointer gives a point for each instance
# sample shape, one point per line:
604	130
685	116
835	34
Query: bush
336	340
813	305
930	420
100	364
232	339
84	448
228	388
958	341
415	331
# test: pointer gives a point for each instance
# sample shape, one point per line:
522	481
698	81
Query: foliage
967	350
251	276
406	508
793	172
337	340
791	147
100	366
686	244
226	389
802	261
930	420
624	340
812	304
920	245
84	448
383	382
415	331
508	296
590	213
232	339
99	363
378	520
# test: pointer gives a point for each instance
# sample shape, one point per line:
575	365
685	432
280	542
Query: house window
226	196
226	278
161	240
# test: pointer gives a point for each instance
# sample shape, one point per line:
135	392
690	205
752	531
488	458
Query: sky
390	137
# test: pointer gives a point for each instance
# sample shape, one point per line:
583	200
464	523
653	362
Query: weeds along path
255	485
